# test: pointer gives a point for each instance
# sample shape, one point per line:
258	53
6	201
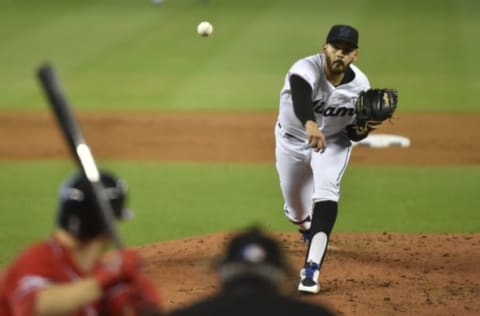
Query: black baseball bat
78	146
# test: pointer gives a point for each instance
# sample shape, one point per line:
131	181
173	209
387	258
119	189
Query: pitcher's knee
326	195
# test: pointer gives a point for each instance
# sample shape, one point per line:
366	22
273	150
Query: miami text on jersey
319	108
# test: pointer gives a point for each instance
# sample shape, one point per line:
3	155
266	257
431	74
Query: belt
288	134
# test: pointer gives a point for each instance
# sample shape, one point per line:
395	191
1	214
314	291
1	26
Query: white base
383	141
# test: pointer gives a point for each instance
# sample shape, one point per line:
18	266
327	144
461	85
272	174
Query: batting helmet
78	212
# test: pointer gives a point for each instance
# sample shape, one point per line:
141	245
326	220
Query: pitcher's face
339	56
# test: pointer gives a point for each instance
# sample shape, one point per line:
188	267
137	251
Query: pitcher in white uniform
313	141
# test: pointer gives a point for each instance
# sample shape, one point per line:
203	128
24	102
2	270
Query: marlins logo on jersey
319	107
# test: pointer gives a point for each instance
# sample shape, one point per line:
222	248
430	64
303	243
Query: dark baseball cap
252	247
343	33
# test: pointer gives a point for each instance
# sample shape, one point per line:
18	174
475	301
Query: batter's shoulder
34	257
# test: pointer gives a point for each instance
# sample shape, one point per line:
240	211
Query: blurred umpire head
255	255
78	213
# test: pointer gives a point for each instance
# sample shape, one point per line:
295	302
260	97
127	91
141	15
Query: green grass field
132	55
176	200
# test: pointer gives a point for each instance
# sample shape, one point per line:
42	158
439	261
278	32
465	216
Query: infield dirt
363	274
437	139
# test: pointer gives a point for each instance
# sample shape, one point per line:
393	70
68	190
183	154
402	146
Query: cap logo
254	253
344	31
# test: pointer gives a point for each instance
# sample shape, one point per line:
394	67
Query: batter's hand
138	297
116	267
315	137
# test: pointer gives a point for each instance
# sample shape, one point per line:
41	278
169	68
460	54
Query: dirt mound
363	274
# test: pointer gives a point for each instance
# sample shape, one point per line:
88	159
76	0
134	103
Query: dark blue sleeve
302	99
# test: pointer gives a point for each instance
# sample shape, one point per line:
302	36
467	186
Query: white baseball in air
204	28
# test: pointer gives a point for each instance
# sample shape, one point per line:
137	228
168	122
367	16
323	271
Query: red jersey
39	266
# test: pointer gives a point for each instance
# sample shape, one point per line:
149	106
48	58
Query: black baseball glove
373	107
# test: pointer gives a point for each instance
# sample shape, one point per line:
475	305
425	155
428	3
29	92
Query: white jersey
334	107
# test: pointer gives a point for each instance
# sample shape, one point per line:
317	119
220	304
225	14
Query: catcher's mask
253	254
77	210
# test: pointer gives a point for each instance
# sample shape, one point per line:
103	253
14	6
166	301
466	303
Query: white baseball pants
307	176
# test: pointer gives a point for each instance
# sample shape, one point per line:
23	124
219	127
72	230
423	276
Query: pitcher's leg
296	180
296	184
322	226
328	170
